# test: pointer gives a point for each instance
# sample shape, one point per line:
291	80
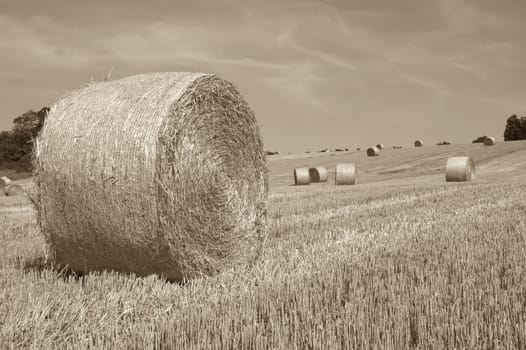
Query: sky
318	74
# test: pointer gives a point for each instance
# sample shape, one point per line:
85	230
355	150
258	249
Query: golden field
400	260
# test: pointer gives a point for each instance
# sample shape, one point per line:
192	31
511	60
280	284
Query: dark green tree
515	128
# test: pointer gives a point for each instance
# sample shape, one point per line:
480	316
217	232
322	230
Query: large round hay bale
419	143
15	190
318	174
301	176
373	152
460	169
159	173
489	141
345	174
380	146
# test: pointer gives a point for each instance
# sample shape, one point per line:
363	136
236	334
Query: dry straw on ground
318	174
419	143
380	146
373	152
345	174
159	173
459	169
301	176
489	141
15	190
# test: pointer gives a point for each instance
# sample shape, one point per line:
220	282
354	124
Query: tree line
16	145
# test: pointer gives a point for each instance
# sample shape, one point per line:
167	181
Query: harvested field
400	260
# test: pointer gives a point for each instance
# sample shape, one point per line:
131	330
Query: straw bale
301	176
419	143
489	141
318	174
14	190
5	181
345	174
160	173
373	152
380	146
460	169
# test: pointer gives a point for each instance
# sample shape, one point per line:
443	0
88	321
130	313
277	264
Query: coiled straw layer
459	169
159	173
301	176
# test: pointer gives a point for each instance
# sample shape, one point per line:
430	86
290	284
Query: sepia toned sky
317	73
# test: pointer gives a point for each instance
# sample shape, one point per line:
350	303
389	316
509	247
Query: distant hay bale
318	174
419	143
14	190
460	169
489	141
301	176
5	180
373	152
160	173
380	146
345	174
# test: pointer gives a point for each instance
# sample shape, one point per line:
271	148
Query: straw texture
373	152
345	174
459	169
489	141
159	173
301	176
318	174
419	143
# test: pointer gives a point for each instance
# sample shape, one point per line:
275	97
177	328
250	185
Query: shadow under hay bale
14	190
460	169
345	174
160	173
318	174
373	152
419	143
489	141
301	176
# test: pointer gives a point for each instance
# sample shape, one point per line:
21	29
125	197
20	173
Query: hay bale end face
160	173
380	146
460	169
345	174
419	143
489	141
373	152
301	176
14	190
318	174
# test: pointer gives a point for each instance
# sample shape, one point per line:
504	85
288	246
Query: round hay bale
419	143
489	141
345	174
301	176
373	152
160	173
460	169
14	190
380	146
5	180
318	174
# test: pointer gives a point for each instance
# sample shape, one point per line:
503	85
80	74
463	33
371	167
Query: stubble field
403	259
